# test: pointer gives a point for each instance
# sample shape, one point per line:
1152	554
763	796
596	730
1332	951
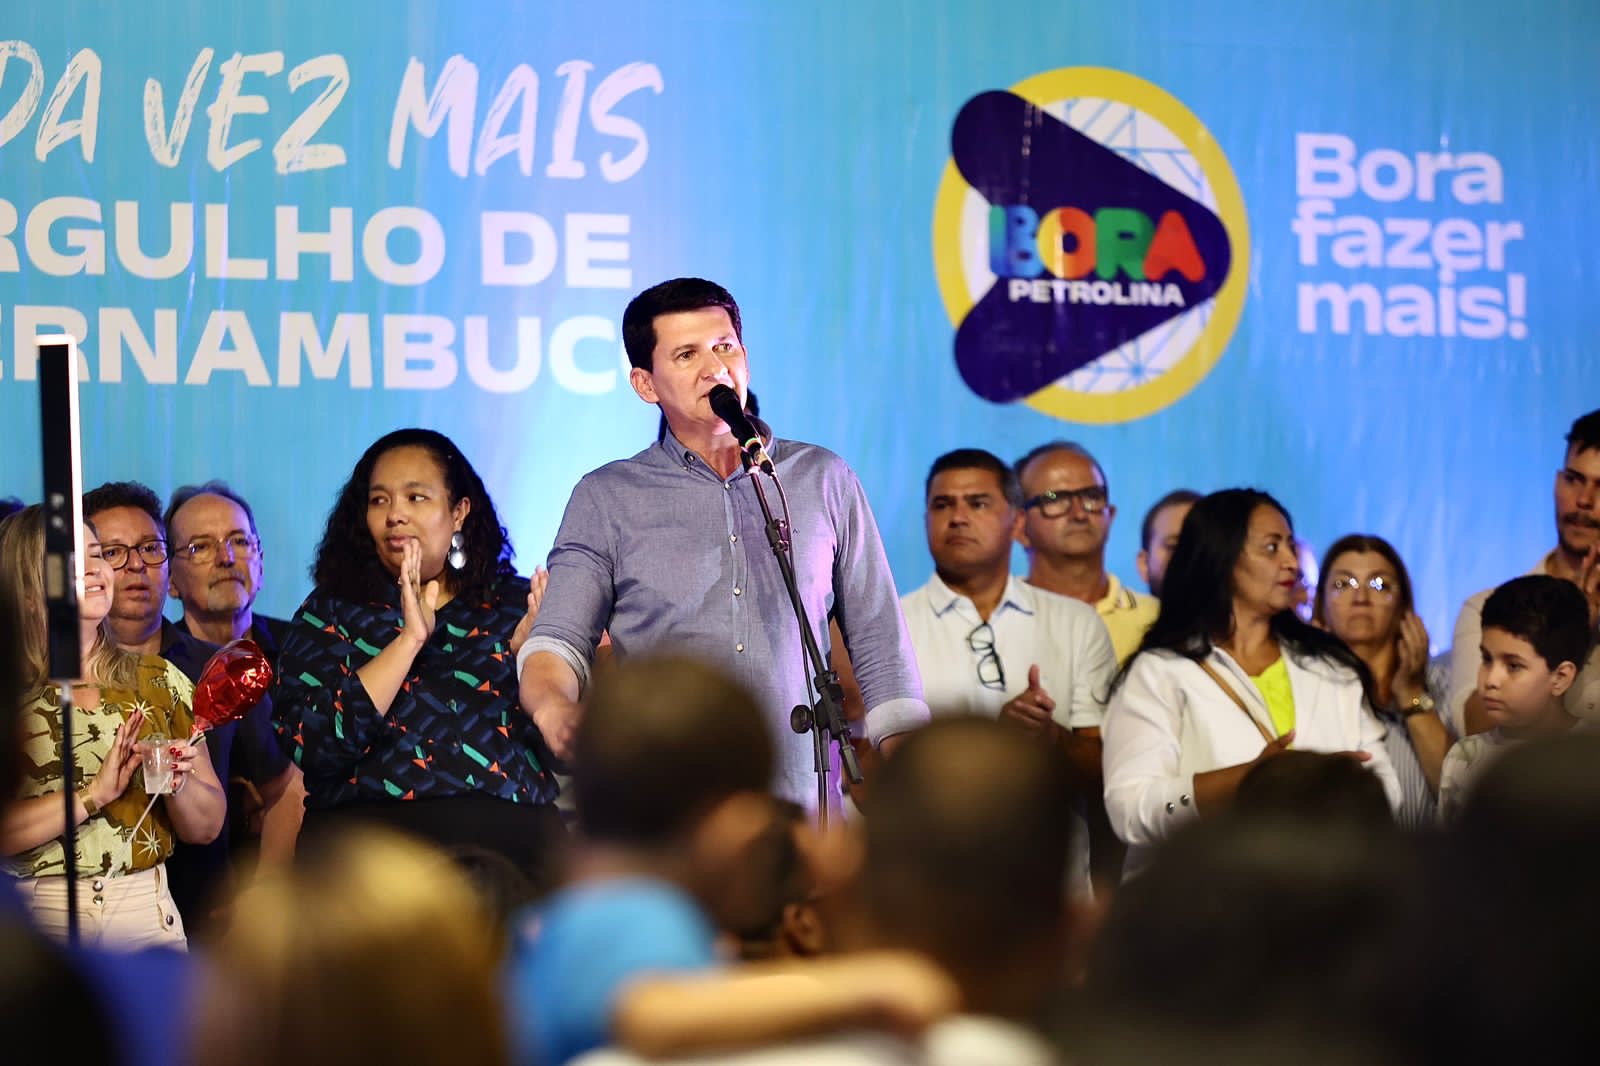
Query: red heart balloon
233	681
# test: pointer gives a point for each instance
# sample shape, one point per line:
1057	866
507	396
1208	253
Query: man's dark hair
1584	435
1316	785
125	494
977	459
1071	448
1295	917
1521	872
185	493
791	887
10	505
967	851
347	560
502	886
662	741
1148	526
670	297
1548	612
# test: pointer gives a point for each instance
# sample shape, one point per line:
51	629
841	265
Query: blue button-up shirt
668	556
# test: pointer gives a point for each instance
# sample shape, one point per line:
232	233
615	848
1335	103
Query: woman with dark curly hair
397	684
1228	677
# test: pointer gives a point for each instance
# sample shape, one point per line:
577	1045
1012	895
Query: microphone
725	403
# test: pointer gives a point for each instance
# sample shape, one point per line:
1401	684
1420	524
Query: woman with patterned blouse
123	898
397	683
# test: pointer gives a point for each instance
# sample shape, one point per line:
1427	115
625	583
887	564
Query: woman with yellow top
1228	676
123	900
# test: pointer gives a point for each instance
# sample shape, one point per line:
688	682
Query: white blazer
1168	721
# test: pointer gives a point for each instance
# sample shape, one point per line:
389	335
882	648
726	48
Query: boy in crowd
683	849
1535	635
672	767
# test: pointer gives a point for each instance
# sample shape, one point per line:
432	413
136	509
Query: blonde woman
371	948
123	898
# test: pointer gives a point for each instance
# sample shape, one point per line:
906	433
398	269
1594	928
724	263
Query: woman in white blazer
1227	677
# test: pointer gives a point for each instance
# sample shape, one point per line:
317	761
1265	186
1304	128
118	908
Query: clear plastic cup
156	752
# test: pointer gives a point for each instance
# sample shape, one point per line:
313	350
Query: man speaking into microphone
668	549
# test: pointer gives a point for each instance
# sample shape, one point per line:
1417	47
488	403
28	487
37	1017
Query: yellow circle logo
1091	246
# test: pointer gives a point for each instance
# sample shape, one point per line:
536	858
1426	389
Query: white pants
125	913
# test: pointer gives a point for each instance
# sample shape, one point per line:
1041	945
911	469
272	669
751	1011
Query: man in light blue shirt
668	550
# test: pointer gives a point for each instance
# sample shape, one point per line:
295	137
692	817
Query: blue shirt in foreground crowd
571	956
666	555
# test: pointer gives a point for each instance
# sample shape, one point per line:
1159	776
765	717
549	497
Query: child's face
1516	684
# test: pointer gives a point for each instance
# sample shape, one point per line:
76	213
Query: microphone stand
69	837
826	716
60	444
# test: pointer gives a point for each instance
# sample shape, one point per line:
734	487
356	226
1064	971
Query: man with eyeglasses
133	539
1066	521
217	566
1576	558
989	644
127	517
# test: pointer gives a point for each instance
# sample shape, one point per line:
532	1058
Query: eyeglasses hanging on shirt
990	673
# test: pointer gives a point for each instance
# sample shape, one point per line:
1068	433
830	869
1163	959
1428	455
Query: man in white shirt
988	643
1576	557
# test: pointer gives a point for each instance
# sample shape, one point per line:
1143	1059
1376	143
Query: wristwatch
1420	704
88	801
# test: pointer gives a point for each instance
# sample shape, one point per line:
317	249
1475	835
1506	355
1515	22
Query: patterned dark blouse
455	727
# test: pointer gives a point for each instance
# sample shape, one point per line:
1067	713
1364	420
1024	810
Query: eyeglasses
203	550
990	673
1380	586
153	552
1055	504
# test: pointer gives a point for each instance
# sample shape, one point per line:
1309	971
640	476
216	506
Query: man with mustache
1576	557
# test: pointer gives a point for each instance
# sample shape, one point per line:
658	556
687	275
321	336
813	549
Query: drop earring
458	554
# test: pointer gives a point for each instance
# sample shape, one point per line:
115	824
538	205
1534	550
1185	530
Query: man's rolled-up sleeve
582	590
875	633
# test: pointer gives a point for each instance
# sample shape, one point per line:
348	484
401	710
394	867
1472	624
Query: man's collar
1018	596
178	633
680	454
1118	597
171	632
